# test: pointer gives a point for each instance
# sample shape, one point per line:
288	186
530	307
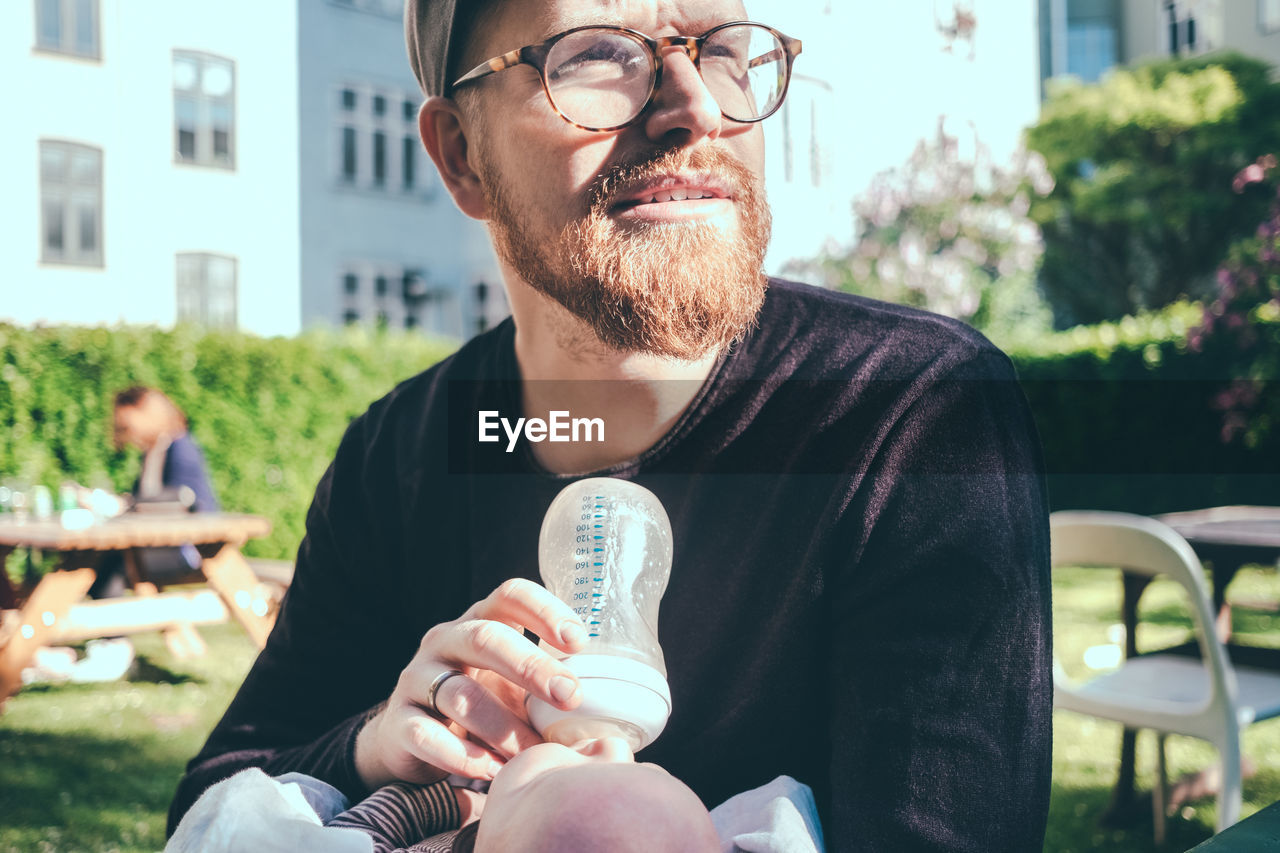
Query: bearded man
859	593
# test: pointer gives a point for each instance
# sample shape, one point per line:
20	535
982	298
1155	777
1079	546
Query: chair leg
1231	793
1158	792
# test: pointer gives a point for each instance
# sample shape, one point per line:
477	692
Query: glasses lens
745	69
599	78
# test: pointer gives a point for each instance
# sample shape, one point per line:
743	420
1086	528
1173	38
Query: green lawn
1086	750
92	767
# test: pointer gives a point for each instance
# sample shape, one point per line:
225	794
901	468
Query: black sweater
859	596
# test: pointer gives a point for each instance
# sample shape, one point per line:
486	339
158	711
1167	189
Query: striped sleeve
401	815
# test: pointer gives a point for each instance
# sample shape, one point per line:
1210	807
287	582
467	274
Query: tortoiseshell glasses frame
536	56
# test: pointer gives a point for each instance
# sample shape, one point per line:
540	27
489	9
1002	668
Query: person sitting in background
172	466
173	469
149	421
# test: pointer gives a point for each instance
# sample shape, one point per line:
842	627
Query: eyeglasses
603	78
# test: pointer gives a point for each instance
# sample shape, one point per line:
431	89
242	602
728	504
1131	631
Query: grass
92	767
1086	751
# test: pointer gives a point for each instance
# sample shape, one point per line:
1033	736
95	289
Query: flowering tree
1245	310
951	234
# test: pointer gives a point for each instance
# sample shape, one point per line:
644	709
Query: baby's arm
400	815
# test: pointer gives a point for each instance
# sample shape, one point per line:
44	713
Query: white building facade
382	243
1085	38
155	146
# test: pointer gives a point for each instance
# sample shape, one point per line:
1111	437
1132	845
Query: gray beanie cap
428	34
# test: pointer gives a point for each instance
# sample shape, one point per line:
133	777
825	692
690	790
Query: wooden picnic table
46	614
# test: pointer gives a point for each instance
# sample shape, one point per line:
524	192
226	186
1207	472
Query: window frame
67	14
1262	9
71	230
378	151
205	289
205	128
406	300
1178	22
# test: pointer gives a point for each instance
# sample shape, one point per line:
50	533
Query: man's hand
481	720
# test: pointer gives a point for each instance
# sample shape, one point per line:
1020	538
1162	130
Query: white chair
1208	698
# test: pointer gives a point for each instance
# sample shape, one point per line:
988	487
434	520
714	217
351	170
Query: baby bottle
605	550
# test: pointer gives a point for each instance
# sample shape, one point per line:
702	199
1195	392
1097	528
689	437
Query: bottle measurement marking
600	505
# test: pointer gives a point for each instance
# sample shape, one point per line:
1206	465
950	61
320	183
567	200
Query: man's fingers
522	603
429	741
497	647
484	716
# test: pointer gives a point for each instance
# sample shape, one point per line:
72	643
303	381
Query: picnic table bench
52	611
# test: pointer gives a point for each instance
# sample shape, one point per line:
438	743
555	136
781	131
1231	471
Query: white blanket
252	811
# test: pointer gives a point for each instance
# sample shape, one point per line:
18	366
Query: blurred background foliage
1142	209
1127	258
268	412
949	231
1139	415
1126	197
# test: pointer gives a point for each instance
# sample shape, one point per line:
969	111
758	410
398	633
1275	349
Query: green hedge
1134	418
1130	416
269	412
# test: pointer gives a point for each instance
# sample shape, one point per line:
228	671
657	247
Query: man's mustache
622	178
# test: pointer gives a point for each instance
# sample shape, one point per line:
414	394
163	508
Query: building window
379	158
1269	16
408	163
68	26
1091	48
385	295
350	160
377	140
204	108
70	204
1180	29
207	290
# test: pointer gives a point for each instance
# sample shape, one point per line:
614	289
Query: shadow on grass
145	669
1079	821
79	790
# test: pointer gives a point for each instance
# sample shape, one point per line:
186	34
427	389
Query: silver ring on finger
434	690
